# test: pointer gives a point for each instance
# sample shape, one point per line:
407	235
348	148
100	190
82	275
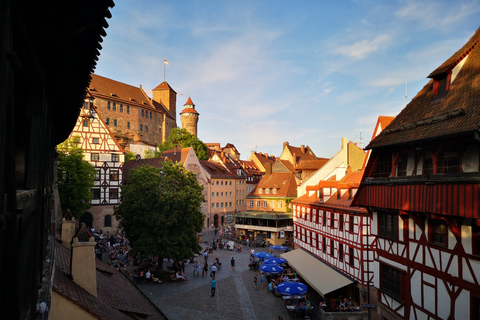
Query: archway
215	221
87	218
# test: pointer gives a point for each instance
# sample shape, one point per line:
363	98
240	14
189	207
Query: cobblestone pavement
235	297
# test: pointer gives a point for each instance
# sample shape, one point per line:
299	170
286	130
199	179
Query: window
324	218
97	174
427	163
230	204
218	194
340	251
115	122
146	128
96	194
85	104
107	121
476	240
113	194
85	123
128	109
265	204
217	182
141	127
387	224
350	224
230	183
213	205
114	157
250	203
272	204
113	175
274	190
402	165
258	203
142	114
108	221
230	193
383	166
221	183
340	223
318	242
332	247
280	204
150	114
114	107
218	204
213	194
108	105
324	245
128	125
267	191
260	191
332	220
221	204
221	194
94	157
351	258
121	108
391	282
95	140
438	232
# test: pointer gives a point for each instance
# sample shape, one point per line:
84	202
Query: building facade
137	121
103	152
421	187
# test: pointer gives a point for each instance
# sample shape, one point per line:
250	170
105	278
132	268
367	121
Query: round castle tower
189	117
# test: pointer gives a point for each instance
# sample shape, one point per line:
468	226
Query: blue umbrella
262	255
278	247
275	261
271	268
292	288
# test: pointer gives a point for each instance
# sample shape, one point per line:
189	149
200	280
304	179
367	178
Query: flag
165	61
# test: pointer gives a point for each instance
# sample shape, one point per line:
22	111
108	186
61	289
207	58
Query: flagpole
164	71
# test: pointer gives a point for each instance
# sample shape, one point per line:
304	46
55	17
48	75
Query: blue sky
264	72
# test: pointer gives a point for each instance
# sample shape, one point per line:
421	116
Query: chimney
303	148
68	228
268	168
82	263
266	155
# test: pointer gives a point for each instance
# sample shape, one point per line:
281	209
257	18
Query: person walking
232	262
213	271
214	285
262	280
205	270
255	281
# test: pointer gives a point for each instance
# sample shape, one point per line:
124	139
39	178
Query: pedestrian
248	242
213	271
255	280
232	262
205	255
214	284
205	269
262	280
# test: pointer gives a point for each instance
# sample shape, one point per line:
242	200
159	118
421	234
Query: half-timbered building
102	151
421	186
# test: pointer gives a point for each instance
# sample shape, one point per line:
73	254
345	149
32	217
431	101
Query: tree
75	177
160	211
184	139
129	156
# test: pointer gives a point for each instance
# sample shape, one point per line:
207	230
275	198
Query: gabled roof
284	182
426	118
286	164
115	90
305	154
178	155
217	171
311	164
164	86
116	294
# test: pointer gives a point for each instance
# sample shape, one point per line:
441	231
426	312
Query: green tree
160	211
184	139
129	156
75	177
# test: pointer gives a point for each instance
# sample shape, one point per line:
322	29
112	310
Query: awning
321	277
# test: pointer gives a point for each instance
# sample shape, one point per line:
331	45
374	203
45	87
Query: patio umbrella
278	247
271	268
292	288
262	255
275	261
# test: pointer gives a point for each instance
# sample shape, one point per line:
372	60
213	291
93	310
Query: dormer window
267	191
274	190
441	86
260	191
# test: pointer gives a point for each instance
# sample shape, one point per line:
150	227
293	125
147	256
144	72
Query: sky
264	72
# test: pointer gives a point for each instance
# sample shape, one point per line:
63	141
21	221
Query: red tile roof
425	118
178	155
284	182
116	294
311	164
164	86
189	110
217	171
189	102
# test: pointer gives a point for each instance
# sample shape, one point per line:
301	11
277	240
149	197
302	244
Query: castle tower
189	117
167	96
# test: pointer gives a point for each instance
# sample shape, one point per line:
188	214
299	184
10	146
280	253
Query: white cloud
360	49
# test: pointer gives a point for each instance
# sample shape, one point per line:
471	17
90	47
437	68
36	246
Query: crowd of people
342	304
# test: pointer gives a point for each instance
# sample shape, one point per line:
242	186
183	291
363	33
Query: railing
339	315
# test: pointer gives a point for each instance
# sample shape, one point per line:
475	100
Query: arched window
260	190
108	221
267	191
